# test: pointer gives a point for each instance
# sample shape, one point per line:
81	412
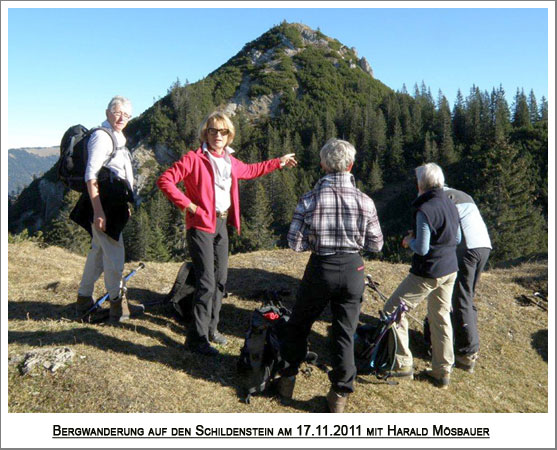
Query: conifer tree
447	154
377	135
500	116
431	151
284	203
504	193
395	163
137	235
521	114
63	232
543	109
375	178
459	119
257	233
533	107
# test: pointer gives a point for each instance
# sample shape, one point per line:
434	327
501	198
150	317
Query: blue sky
64	64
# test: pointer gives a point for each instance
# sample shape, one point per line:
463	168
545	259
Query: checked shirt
335	217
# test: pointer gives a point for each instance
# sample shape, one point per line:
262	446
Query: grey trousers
438	292
108	256
209	255
464	316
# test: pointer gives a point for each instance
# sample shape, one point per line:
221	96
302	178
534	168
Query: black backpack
260	357
181	294
375	347
74	155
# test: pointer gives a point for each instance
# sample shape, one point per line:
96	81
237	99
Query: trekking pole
373	285
103	298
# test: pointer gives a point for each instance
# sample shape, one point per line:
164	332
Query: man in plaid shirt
335	221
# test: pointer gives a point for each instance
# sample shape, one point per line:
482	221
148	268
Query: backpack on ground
260	356
74	155
375	347
182	292
375	343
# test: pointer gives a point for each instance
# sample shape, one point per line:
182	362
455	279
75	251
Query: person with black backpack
103	210
335	221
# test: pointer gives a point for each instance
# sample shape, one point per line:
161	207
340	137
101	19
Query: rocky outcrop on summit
365	66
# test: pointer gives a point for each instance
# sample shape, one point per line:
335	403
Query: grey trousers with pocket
209	254
464	316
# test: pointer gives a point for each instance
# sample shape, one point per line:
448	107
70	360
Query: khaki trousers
106	255
438	292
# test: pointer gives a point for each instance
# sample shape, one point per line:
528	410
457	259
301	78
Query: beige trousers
438	292
108	256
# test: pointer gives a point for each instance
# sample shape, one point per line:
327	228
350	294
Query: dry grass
142	366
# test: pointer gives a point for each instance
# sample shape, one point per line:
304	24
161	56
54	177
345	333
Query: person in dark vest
435	235
472	253
103	211
336	221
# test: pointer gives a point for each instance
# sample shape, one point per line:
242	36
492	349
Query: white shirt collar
227	149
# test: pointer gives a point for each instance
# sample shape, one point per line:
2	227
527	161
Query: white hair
337	155
429	176
118	100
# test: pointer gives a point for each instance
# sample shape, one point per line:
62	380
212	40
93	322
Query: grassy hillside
142	366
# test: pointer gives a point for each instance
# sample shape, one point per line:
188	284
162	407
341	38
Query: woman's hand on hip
192	207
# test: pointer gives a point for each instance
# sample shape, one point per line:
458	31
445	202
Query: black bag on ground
182	292
260	356
375	347
74	155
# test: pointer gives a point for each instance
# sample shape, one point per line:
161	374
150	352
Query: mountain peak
270	66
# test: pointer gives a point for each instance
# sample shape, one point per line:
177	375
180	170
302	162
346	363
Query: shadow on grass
539	343
243	283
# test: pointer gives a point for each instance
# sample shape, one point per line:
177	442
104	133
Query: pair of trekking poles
374	286
105	297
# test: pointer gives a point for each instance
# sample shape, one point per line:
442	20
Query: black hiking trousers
464	316
338	280
209	255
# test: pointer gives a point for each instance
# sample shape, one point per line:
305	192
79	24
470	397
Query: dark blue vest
442	217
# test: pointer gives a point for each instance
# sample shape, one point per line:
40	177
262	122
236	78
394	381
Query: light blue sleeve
420	244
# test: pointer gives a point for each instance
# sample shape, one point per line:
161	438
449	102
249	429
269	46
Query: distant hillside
290	90
159	375
26	163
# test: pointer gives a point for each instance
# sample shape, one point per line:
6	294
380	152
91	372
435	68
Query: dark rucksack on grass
182	292
74	155
260	356
375	347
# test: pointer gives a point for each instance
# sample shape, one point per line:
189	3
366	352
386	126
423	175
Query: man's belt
222	215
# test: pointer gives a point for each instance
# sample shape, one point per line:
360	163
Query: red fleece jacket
195	171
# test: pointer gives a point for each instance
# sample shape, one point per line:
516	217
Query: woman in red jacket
210	175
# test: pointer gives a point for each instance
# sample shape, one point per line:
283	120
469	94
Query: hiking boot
202	348
83	304
285	387
406	372
466	362
121	310
217	338
442	381
336	401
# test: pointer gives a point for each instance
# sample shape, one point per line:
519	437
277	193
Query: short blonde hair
337	155
429	176
219	118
